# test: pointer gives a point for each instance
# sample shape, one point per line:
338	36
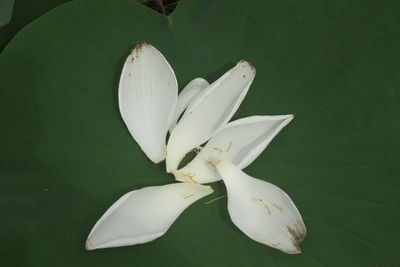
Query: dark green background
66	154
24	11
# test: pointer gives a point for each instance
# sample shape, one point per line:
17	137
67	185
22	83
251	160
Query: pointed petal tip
298	236
154	156
245	62
294	249
284	117
138	46
156	160
89	245
297	251
290	117
141	44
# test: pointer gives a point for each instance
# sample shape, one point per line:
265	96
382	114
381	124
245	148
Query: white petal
190	92
209	112
240	142
143	215
262	211
148	93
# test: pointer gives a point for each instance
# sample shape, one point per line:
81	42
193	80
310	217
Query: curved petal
143	215
209	112
240	142
190	92
262	211
148	93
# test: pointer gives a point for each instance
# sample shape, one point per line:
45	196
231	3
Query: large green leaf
66	154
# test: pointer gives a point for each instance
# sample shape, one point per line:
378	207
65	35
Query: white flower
150	107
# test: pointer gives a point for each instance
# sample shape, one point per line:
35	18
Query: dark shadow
164	7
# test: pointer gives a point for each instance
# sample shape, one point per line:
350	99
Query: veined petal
240	142
209	112
148	93
262	211
143	215
190	92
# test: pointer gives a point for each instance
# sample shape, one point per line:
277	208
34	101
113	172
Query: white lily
261	210
240	142
148	94
150	106
143	215
209	112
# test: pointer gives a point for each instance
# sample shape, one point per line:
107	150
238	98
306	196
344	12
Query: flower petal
190	92
240	142
209	112
143	215
262	211
148	93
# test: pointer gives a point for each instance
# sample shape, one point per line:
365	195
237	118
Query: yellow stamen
266	206
212	165
188	196
191	177
229	147
218	149
262	203
276	206
212	200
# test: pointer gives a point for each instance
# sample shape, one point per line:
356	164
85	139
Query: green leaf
23	12
66	154
6	9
